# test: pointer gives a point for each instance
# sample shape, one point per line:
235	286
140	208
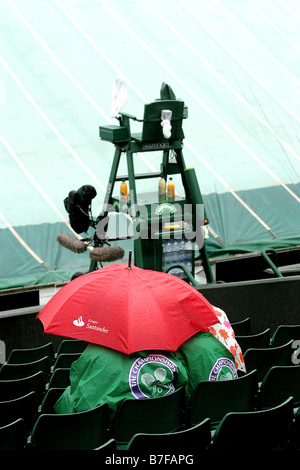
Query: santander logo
78	322
90	324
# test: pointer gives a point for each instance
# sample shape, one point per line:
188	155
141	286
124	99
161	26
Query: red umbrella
128	309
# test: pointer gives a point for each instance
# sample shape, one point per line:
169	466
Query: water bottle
167	248
162	189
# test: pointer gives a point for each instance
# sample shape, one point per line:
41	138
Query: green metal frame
151	139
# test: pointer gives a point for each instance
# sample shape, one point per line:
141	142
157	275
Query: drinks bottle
171	189
162	189
123	191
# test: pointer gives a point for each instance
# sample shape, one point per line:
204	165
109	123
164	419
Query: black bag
77	204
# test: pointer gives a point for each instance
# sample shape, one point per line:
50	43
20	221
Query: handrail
270	262
186	272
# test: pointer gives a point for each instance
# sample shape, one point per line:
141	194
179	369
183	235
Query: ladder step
140	176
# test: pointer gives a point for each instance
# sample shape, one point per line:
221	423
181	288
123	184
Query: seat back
25	407
11	389
13	436
285	333
20	356
107	448
152	129
236	395
150	415
262	359
84	430
259	340
279	383
189	441
71	346
242	327
65	360
60	378
19	371
255	430
49	400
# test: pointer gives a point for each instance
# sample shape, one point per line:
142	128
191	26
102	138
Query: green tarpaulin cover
235	65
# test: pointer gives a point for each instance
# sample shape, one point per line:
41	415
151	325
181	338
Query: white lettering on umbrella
97	328
91	325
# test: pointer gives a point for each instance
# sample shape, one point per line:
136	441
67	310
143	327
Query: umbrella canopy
128	309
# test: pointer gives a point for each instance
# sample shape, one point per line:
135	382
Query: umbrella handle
129	259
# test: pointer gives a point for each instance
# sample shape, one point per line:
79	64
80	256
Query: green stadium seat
108	447
242	327
11	389
285	333
295	438
262	359
84	430
13	436
258	340
159	414
279	383
213	399
60	378
255	431
65	360
49	400
25	407
19	371
188	441
20	356
71	346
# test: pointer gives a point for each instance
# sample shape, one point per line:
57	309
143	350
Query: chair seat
19	356
152	129
60	378
10	389
262	359
279	383
19	371
84	430
71	346
25	407
160	414
137	136
255	431
285	333
49	400
65	360
242	327
259	340
189	441
13	436
236	395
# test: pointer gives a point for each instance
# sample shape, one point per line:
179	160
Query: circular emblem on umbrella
152	376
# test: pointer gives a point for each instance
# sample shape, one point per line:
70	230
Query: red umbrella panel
128	309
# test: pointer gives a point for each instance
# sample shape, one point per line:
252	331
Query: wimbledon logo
152	376
223	369
165	206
